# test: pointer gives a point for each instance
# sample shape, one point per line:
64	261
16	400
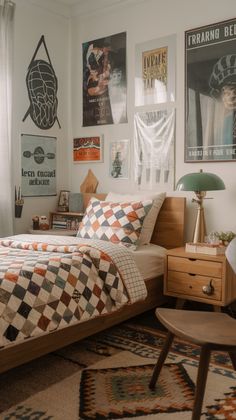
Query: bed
168	233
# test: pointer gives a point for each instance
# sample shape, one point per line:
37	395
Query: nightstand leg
216	308
179	303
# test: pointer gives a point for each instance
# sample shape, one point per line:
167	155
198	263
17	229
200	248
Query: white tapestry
154	133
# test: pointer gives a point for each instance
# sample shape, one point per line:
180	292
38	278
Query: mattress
149	258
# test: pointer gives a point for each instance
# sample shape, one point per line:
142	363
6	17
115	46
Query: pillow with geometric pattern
114	222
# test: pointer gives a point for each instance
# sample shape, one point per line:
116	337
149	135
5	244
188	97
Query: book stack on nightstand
200	277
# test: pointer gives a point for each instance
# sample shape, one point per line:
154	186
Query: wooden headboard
170	224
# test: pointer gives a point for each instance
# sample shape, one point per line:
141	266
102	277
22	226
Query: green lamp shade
200	181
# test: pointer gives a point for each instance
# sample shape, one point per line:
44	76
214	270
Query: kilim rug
107	376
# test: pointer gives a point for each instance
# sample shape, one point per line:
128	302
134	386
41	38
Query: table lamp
200	182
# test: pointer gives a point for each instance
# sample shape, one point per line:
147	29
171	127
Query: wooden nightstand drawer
195	266
191	285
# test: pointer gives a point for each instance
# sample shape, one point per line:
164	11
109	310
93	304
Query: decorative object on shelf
35	220
225	237
205	248
200	182
90	183
76	202
19	202
65	221
43	223
63	202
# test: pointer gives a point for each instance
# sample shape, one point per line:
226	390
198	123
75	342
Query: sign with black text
38	165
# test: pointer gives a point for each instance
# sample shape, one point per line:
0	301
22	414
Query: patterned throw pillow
114	222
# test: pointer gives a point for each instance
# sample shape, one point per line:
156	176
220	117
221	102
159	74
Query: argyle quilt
44	287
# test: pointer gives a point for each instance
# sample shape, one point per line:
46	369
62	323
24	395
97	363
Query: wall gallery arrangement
38	165
104	81
210	92
41	82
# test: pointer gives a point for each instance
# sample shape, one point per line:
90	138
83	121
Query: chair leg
161	359
201	382
232	356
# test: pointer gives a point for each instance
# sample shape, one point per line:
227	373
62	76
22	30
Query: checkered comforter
44	287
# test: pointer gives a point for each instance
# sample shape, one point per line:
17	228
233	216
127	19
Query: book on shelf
204	248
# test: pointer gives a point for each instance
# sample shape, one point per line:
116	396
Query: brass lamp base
200	225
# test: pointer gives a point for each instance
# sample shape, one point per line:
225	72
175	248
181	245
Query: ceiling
83	7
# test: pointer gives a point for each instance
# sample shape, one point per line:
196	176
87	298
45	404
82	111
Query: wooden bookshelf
64	221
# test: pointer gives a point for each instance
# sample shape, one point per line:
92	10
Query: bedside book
204	248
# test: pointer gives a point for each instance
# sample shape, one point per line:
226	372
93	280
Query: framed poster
38	165
155	71
104	81
119	159
63	202
210	93
88	149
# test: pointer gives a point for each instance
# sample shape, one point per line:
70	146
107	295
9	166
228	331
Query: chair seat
216	329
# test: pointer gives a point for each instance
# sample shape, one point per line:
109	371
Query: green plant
225	236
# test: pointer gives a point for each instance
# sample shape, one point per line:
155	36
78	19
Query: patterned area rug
107	376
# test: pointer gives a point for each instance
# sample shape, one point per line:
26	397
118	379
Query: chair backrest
230	254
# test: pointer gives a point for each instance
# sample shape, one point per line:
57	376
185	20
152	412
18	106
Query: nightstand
200	277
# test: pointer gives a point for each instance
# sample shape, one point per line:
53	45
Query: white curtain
6	187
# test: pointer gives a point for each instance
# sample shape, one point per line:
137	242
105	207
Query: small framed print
119	159
88	149
63	202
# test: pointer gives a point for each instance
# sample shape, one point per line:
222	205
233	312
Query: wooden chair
210	330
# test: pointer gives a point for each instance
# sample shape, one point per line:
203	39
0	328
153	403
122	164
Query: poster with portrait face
38	165
104	81
210	93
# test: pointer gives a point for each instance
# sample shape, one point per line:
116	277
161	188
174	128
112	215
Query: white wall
32	20
143	21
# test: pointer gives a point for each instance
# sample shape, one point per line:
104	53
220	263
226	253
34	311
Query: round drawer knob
208	289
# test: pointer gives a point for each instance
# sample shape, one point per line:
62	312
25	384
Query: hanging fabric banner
154	133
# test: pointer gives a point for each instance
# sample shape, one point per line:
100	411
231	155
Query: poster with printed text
87	149
210	93
38	165
155	71
104	81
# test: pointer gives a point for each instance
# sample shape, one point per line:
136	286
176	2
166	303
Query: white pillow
150	219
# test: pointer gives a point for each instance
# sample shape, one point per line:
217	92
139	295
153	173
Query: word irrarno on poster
210	100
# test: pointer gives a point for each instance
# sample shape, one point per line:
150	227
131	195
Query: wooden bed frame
168	232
